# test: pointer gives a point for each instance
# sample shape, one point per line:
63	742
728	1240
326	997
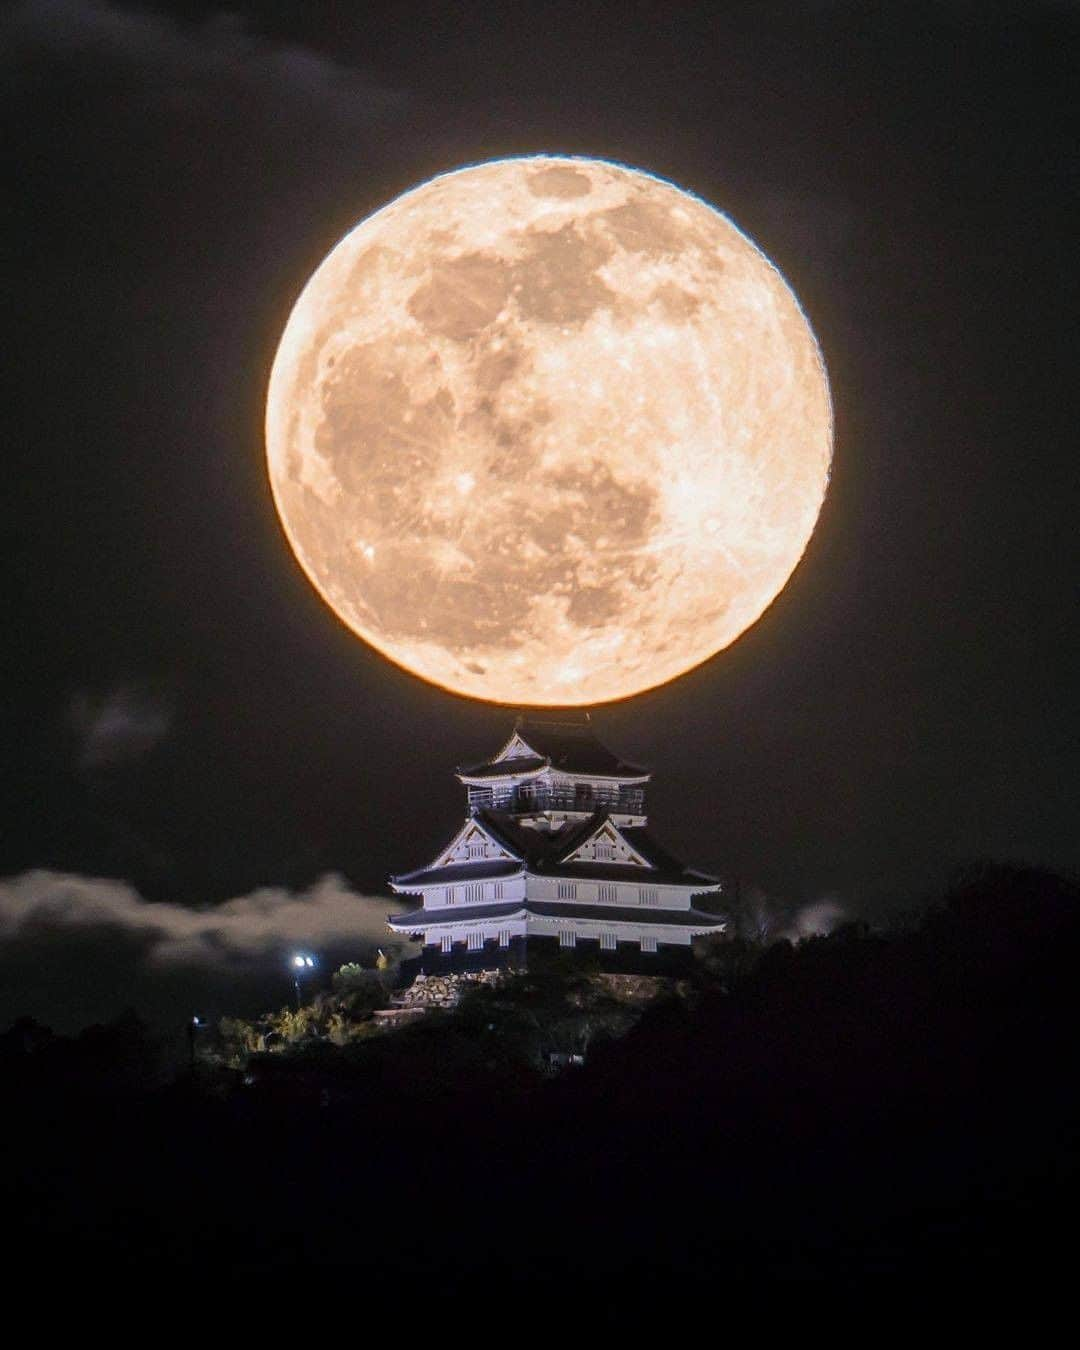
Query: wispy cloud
76	950
173	60
246	929
124	723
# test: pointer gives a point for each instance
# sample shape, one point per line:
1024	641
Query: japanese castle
554	846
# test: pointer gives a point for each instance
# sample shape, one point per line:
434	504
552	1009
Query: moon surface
548	431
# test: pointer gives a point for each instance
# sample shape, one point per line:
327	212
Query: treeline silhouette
857	1106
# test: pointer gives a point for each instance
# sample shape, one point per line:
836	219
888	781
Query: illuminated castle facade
555	845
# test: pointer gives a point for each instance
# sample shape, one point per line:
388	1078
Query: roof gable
474	843
516	748
606	844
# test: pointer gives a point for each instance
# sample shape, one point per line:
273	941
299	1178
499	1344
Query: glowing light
566	400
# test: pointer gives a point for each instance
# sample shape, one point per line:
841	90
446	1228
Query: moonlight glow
548	431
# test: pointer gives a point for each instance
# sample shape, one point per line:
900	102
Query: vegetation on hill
863	1102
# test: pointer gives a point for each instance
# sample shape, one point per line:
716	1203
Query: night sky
181	712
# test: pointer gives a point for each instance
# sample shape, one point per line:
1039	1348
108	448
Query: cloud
174	60
123	724
246	929
75	950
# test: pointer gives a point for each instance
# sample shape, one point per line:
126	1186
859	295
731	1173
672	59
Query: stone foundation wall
443	991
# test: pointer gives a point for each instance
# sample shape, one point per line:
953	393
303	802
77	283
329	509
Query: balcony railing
628	801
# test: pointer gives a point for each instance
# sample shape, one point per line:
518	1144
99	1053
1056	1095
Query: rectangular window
567	938
447	943
608	891
605	851
504	937
498	889
476	850
607	942
647	895
648	944
476	940
474	893
567	890
451	894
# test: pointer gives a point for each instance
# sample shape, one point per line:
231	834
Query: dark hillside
858	1105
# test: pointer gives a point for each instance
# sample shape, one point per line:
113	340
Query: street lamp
193	1028
301	964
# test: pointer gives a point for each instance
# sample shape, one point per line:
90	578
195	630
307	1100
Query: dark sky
182	713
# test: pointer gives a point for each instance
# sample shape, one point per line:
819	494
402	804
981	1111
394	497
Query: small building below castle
555	845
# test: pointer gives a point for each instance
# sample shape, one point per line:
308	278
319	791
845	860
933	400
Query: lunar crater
559	182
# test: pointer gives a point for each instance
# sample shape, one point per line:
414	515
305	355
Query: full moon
548	431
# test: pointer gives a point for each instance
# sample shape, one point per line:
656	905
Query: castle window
447	943
451	895
498	889
648	944
608	890
567	938
474	893
567	890
607	942
475	850
476	940
605	849
647	895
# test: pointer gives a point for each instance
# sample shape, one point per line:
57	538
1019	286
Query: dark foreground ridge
858	1106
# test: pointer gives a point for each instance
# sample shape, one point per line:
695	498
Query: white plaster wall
535	926
626	892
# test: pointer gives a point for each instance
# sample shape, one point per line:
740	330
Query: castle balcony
523	798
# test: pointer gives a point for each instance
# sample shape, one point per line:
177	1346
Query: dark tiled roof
469	871
423	918
646	843
574	747
639	837
643	876
537	845
416	919
677	918
571	747
544	849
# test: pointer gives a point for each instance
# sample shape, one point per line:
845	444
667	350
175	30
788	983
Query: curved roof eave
472	776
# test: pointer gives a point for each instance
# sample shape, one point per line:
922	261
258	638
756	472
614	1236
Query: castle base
542	953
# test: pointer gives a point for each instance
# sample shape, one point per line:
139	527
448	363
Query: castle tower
555	845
